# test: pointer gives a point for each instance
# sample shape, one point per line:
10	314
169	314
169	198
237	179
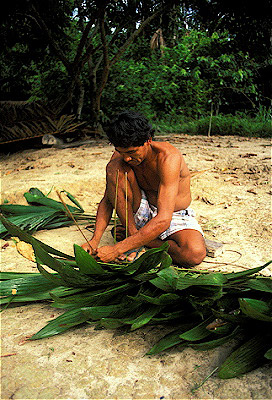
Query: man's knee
197	253
190	248
191	254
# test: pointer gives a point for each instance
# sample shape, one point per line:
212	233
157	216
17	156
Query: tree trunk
80	100
85	51
94	110
210	122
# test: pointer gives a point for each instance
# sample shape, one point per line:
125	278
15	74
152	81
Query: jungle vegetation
181	63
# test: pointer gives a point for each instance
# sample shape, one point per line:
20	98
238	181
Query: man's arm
103	216
169	173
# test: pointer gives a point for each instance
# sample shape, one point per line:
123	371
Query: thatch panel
22	120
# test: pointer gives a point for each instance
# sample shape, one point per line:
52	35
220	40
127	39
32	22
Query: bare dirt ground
232	198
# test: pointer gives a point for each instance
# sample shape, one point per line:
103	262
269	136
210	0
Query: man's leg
186	247
125	209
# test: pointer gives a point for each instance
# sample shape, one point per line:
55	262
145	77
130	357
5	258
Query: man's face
134	155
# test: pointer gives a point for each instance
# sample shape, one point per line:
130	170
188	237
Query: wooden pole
115	205
126	183
210	122
72	217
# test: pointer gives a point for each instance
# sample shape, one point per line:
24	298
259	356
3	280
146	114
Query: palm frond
208	309
41	213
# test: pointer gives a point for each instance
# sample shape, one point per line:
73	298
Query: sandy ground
232	198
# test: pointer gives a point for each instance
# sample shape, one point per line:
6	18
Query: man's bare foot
131	255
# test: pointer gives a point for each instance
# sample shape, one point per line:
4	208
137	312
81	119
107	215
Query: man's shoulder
115	157
164	146
166	150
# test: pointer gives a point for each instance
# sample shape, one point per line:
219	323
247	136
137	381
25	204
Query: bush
183	82
241	125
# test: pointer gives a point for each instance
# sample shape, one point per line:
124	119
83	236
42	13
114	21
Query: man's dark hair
129	128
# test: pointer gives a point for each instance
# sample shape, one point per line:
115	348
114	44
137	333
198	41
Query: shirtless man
158	195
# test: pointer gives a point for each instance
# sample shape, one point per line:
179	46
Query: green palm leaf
171	339
256	309
268	354
198	332
261	284
211	344
61	324
247	357
25	237
148	291
25	285
86	263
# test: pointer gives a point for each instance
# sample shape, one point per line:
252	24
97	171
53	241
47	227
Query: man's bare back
149	172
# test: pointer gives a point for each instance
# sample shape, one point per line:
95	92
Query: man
153	191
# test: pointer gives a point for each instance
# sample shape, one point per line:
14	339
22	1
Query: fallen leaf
230	178
207	201
25	249
247	155
24	340
8	355
251	191
195	173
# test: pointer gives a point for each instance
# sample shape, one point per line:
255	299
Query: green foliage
58	51
252	27
208	309
240	124
183	81
48	79
41	213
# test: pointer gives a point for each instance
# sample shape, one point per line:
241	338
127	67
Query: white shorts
183	219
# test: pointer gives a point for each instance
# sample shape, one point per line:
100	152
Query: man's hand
107	253
90	247
111	253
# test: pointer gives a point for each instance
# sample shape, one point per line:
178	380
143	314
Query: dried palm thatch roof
21	120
